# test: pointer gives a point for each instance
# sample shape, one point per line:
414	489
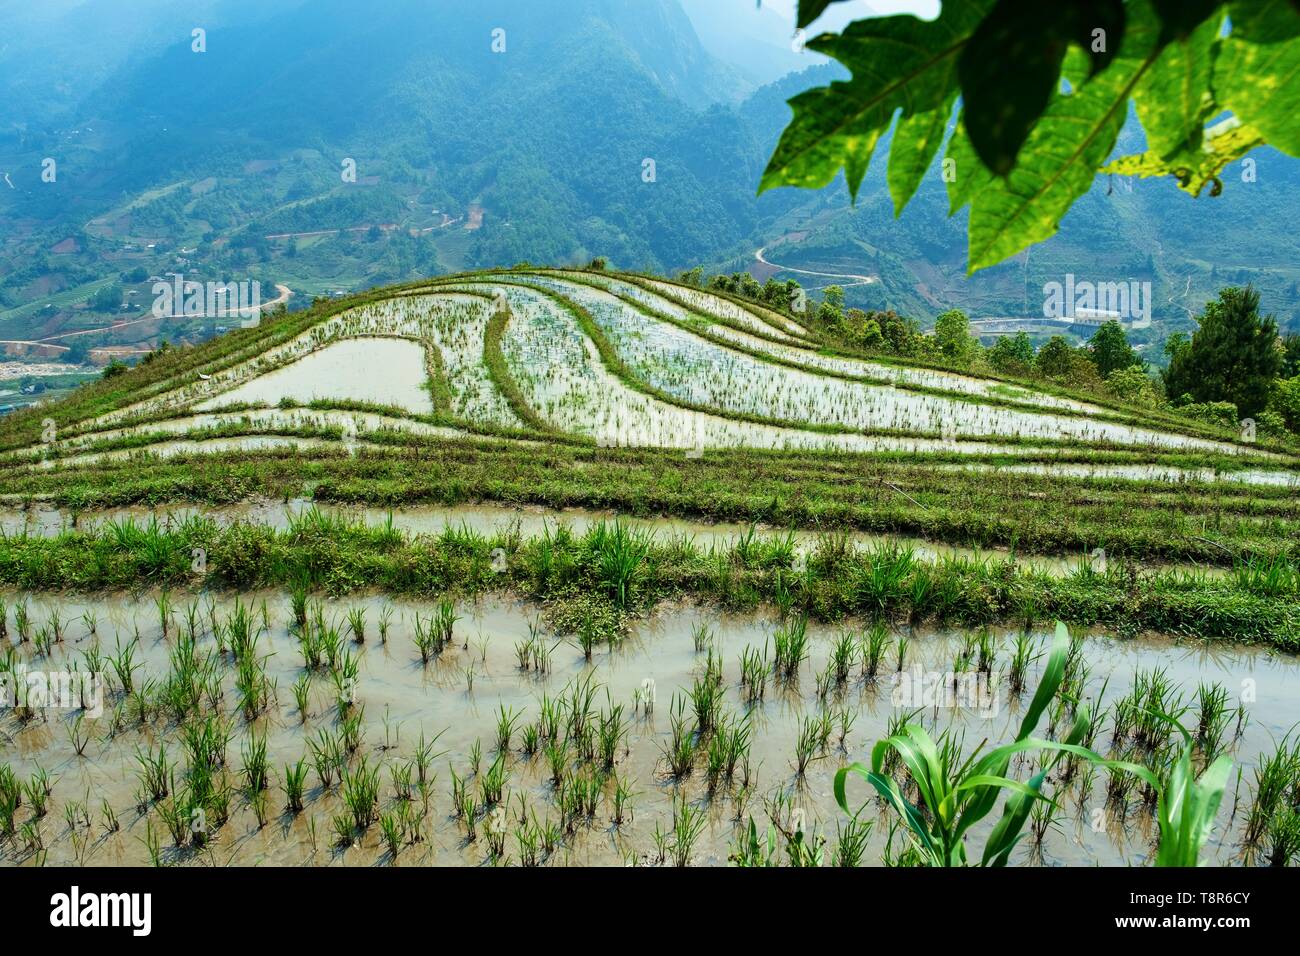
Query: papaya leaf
1259	79
1181	18
916	140
1223	144
810	10
965	174
1173	99
1012	66
1067	146
898	63
1264	21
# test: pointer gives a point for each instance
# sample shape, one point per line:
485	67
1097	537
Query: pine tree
1232	357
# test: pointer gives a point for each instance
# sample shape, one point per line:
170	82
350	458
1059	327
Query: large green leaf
898	63
1070	142
916	140
810	10
1225	143
1173	99
1259	78
1263	21
1012	66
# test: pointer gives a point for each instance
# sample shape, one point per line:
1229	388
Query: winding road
48	343
858	280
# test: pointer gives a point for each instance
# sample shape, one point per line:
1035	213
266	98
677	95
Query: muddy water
403	699
489	519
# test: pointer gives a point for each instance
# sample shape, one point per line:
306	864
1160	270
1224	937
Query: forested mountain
500	131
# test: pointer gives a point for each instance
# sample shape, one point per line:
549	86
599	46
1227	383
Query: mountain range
331	146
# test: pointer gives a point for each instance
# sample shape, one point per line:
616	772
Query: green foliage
1110	349
1012	354
1134	386
955	793
952	335
1028	146
1233	356
1285	402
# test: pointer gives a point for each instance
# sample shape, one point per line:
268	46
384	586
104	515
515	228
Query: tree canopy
1232	357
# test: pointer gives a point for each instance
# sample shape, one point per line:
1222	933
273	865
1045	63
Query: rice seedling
1213	715
557	761
680	750
391	830
155	774
124	666
812	740
754	671
874	644
507	720
360	792
843	654
165	611
294	785
701	637
1023	656
476	756
4	620
357	624
37	791
328	758
706	700
900	659
790	645
22	622
611	732
254	768
87	620
1275	788
302	696
623	797
492	784
401	775
43	640
344	830
1282	840
79	735
385	622
110	824
11	798
851	843
688	824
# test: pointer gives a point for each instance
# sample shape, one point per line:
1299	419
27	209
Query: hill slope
631	386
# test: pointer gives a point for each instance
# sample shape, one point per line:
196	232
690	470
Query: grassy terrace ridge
1218	524
1117	411
633	570
179	366
617	366
701	331
235	421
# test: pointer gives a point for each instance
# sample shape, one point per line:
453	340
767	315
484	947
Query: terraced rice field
570	567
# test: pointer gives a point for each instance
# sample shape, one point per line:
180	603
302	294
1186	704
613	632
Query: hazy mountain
505	130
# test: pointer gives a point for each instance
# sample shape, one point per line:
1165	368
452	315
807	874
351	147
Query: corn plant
955	794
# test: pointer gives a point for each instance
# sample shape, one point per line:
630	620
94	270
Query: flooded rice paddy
459	699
